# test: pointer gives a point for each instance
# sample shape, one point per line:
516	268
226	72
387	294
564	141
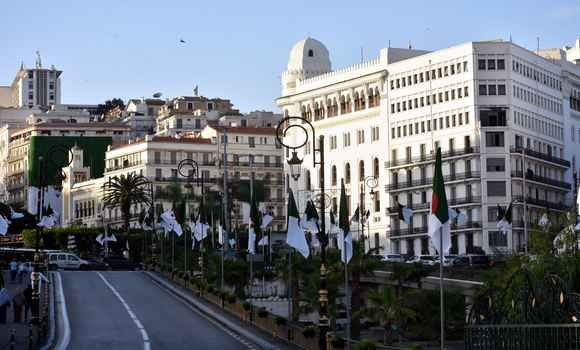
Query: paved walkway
20	330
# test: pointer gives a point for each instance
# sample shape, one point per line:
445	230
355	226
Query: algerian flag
201	223
405	214
221	234
266	219
439	230
333	226
4	223
245	207
263	241
48	219
315	242
32	194
251	240
356	216
254	225
311	218
295	235
505	219
146	218
100	239
232	242
110	238
344	226
15	215
544	220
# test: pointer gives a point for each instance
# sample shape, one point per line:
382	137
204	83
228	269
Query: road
126	310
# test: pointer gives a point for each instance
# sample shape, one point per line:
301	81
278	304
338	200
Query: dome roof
309	55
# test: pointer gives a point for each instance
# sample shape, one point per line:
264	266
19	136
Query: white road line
62	311
144	335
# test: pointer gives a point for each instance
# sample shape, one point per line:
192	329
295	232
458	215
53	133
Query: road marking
232	334
144	335
61	302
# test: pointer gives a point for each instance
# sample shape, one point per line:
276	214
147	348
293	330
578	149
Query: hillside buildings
501	114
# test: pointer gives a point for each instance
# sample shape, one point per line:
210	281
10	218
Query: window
361	171
347	173
360	136
491	64
252	141
310	53
346	139
333	175
492	90
494	139
501	89
482	90
497	239
495	164
500	64
496	188
481	64
375	133
376	168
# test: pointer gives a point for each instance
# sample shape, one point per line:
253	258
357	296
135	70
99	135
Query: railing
431	157
464	200
429	180
539	155
255	164
176	162
424	230
123	166
541	203
542	179
523	336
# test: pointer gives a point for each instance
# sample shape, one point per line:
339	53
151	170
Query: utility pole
225	207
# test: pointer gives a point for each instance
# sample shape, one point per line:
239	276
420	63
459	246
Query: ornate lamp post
295	163
371	183
189	169
44	162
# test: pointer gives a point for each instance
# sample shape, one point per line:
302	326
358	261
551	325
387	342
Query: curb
62	324
206	311
52	314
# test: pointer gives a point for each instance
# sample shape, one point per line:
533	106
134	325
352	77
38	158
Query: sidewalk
20	330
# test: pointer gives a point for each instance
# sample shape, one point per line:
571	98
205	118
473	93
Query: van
66	261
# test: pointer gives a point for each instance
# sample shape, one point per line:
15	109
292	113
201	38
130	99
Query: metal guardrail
431	157
541	203
540	155
429	180
524	336
542	179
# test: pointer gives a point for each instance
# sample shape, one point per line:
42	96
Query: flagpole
251	203
290	284
525	200
441	299
346	297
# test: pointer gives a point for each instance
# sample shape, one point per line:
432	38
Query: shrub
210	289
262	312
280	321
247	306
309	332
337	342
365	345
230	298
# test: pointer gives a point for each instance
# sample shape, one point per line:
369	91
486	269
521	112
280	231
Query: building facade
32	87
487	105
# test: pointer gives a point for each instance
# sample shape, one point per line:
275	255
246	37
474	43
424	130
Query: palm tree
123	192
387	309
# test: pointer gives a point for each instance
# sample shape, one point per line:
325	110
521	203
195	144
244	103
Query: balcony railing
431	157
542	179
429	180
408	231
540	155
541	203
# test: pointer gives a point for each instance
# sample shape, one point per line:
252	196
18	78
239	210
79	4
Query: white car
393	258
67	261
423	259
447	260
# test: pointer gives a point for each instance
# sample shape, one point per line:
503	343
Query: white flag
251	241
3	225
32	200
245	212
232	242
100	239
266	220
295	235
263	241
346	252
220	234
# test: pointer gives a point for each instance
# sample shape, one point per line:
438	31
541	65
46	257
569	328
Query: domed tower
308	58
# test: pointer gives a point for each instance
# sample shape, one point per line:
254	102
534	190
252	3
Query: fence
525	336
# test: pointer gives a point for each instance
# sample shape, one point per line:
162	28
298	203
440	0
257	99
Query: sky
238	49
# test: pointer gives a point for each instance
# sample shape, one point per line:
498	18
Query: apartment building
487	105
32	87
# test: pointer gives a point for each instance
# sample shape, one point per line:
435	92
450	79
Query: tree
123	192
110	105
387	309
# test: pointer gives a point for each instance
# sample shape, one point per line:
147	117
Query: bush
309	332
247	306
365	345
262	312
211	289
280	321
337	342
230	298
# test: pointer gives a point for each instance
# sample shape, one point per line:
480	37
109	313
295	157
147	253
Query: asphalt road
125	310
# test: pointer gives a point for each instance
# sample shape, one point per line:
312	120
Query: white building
481	102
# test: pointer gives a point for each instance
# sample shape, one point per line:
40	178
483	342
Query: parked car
66	261
423	259
393	258
447	260
461	261
472	260
120	263
96	264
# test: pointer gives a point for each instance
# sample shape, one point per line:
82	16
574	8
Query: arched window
377	97
347	173
310	53
376	168
361	170
334	107
333	175
356	101
308	182
342	105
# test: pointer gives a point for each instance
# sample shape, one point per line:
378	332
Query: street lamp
295	162
371	183
189	169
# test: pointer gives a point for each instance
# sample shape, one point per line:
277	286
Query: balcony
429	181
176	162
541	203
427	158
540	155
543	180
408	231
123	166
255	165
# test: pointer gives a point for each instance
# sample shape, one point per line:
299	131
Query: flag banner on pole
169	223
504	223
314	242
4	223
146	218
100	238
32	200
48	219
544	221
295	235
245	211
311	218
15	215
254	224
221	233
263	241
232	242
439	209
251	241
344	226
266	220
109	238
405	214
333	227
367	215
356	215
192	242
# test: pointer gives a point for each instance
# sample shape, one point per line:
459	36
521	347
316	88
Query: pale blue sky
237	49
